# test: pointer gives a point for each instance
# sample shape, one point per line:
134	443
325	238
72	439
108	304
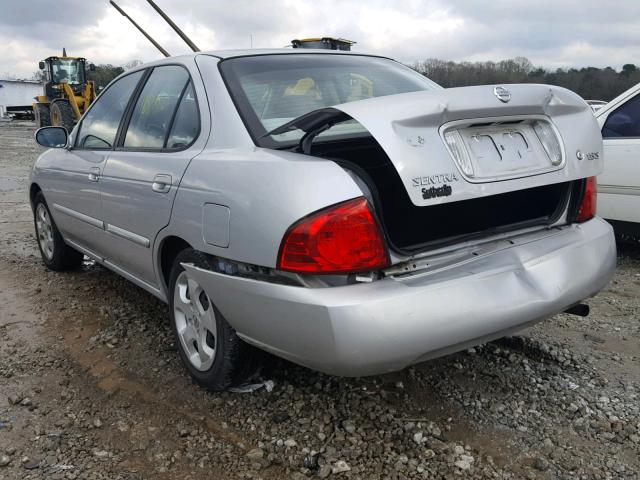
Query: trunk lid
495	126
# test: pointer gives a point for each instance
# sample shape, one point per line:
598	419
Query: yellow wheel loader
67	92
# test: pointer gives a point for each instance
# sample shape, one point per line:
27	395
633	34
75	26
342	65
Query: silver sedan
335	209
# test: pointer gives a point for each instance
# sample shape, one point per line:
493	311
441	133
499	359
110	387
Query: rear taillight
344	238
587	209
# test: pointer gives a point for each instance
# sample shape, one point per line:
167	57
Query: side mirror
52	137
41	65
92	67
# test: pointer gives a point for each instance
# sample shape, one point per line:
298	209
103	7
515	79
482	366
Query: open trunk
447	165
410	228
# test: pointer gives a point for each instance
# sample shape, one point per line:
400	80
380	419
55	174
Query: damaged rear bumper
378	327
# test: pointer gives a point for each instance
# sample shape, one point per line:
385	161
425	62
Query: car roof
272	51
246	52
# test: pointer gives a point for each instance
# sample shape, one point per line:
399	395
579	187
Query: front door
73	194
142	174
74	186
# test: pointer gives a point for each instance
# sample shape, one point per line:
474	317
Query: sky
551	33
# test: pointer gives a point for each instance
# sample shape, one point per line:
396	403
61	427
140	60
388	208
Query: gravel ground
91	388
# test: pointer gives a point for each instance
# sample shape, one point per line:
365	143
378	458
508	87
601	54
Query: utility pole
155	44
174	26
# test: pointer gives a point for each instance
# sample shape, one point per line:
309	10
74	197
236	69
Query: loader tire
42	115
62	115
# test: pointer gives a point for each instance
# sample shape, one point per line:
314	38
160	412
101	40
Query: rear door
619	184
159	136
74	178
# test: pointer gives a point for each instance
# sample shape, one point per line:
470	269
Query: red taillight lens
587	209
340	239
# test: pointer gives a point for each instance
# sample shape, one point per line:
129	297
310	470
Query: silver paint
383	326
364	328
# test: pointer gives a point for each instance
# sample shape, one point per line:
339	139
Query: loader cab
58	70
66	70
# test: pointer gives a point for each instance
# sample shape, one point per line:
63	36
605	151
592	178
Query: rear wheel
42	115
56	254
209	347
62	115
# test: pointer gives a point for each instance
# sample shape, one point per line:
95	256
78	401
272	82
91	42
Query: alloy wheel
195	322
44	231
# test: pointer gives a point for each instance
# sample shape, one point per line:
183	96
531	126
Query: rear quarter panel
265	191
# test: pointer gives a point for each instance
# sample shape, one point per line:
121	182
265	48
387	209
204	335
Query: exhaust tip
581	310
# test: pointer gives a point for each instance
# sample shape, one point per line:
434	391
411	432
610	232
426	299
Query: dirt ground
91	387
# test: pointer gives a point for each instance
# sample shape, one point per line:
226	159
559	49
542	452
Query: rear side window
625	121
100	126
155	108
186	123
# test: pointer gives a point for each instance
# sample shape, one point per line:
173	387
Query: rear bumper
386	325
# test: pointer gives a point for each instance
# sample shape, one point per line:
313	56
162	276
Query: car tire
42	115
62	115
211	351
56	254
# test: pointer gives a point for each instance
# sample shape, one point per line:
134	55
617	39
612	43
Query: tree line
589	82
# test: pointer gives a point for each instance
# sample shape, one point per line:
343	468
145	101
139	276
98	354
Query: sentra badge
437	179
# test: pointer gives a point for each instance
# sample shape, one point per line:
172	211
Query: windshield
67	71
271	90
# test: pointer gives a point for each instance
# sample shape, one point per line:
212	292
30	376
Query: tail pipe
580	309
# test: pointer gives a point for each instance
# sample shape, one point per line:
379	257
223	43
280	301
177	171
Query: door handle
94	175
161	183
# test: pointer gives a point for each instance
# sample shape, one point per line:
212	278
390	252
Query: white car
619	184
596	104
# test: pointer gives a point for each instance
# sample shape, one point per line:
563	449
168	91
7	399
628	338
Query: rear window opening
272	90
410	228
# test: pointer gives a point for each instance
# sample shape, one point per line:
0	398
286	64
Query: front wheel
209	347
56	254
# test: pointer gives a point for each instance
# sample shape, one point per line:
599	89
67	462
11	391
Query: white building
18	95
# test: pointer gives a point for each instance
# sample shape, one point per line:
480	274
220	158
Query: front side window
68	71
155	108
624	121
271	90
100	125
